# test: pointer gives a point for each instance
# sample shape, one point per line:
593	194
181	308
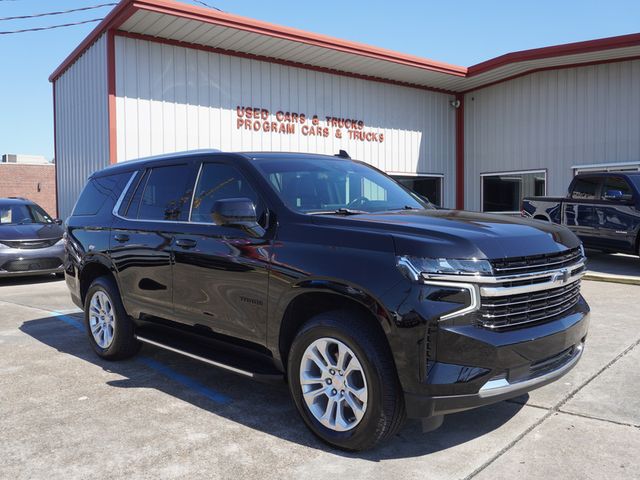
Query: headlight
61	241
416	266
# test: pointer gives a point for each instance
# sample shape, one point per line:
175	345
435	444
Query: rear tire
109	328
370	371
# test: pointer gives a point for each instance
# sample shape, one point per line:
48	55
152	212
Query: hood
461	234
31	231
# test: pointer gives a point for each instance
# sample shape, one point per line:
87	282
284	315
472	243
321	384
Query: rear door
142	235
617	216
221	272
579	212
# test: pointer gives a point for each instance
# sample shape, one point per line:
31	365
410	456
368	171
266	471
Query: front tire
343	381
109	328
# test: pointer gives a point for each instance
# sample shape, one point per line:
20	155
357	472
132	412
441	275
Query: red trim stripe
111	95
460	153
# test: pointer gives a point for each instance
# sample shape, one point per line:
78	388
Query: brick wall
20	180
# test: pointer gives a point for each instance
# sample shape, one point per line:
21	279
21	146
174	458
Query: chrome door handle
121	237
186	242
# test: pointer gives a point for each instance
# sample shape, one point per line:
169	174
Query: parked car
326	272
30	239
603	209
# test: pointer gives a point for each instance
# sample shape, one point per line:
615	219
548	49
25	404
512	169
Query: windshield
20	214
636	181
336	186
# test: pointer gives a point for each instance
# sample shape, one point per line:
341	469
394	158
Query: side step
236	360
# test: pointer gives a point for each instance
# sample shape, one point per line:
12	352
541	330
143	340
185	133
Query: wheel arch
313	297
93	268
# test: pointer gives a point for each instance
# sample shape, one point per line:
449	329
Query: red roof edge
608	43
114	19
126	8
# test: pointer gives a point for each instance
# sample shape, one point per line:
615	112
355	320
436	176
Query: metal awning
192	26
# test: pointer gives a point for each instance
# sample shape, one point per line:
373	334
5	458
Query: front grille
30	244
513	310
536	263
31	264
528	290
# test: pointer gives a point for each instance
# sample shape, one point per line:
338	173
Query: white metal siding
82	123
172	99
553	120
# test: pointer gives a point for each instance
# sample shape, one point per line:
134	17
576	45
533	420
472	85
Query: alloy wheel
334	385
102	319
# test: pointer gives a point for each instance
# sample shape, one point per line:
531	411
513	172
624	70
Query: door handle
121	237
186	243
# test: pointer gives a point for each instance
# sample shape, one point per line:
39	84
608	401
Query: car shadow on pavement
265	407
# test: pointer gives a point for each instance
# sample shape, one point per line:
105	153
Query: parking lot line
148	362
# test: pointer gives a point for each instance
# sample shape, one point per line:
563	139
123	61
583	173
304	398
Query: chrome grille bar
574	287
570	299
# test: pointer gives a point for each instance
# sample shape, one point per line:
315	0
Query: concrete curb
611	278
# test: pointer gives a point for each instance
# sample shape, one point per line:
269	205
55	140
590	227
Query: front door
221	273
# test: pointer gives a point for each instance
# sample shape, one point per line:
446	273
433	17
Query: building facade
158	76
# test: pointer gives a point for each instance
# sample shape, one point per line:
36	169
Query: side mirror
237	213
613	195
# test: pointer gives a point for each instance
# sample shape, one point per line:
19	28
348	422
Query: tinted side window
585	188
219	181
163	196
617	184
100	192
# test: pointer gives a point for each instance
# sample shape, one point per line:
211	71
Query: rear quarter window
585	188
100	194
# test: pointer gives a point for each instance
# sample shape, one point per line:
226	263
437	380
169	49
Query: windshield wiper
339	211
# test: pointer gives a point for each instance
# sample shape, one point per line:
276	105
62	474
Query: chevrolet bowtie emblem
561	276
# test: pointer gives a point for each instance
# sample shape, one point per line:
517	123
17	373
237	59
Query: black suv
373	305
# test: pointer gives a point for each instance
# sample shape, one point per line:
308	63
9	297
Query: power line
207	5
61	12
51	27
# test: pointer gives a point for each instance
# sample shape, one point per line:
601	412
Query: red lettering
239	123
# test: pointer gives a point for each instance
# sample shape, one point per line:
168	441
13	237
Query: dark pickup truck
603	209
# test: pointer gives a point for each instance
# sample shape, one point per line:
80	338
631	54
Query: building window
503	192
429	186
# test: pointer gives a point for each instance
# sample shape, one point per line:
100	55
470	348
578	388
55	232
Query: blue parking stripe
159	367
184	380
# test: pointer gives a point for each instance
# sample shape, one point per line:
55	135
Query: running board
260	373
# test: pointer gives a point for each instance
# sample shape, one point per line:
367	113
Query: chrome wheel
333	383
101	319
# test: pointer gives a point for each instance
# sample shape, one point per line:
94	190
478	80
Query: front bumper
475	366
15	262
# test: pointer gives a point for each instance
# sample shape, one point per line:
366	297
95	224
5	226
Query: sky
460	32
